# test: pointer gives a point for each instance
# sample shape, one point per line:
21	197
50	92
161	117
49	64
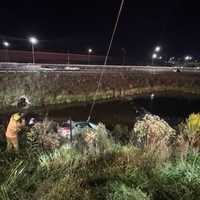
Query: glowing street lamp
89	52
154	56
6	46
157	49
33	42
187	58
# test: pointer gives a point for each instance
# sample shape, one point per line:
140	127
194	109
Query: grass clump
121	191
179	180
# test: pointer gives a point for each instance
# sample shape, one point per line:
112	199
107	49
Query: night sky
77	25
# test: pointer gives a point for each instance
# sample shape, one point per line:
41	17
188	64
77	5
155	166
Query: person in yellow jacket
15	125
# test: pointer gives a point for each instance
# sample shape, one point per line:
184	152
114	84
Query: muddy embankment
46	89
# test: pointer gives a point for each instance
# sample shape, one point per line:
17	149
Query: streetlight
6	45
89	52
187	58
33	42
157	49
154	56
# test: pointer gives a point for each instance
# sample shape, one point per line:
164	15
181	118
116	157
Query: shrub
121	134
190	131
120	191
155	135
43	136
93	141
193	124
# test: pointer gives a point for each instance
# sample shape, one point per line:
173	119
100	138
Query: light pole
156	51
6	45
89	52
154	56
68	57
124	56
33	42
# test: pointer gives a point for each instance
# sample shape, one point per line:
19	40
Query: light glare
6	44
188	57
154	56
157	49
90	50
33	40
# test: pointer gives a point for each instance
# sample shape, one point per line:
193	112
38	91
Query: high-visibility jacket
14	127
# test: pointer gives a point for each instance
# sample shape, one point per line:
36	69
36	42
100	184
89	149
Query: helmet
17	116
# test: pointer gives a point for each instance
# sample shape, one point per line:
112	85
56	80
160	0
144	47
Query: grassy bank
112	172
121	172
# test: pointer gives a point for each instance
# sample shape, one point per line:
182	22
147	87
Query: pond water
173	109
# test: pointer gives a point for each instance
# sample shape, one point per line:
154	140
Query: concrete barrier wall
48	57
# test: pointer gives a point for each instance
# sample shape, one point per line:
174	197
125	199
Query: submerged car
76	128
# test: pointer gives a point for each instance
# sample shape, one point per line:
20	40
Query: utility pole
68	57
123	56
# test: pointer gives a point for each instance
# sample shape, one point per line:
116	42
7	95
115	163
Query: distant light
6	44
157	49
33	40
160	57
188	57
154	56
90	50
152	96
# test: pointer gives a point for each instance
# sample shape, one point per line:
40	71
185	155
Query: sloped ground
104	170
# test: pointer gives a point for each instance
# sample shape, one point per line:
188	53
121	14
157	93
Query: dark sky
77	25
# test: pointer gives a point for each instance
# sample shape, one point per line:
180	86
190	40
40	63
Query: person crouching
15	125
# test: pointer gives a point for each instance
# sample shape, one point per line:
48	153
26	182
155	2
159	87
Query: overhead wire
106	60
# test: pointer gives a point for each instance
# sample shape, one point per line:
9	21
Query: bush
193	124
153	134
93	141
121	134
43	136
190	131
120	191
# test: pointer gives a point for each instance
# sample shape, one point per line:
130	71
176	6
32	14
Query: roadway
76	68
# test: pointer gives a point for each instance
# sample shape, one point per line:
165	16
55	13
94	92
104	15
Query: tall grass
104	171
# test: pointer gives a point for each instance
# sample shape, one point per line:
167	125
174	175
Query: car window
82	125
66	125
